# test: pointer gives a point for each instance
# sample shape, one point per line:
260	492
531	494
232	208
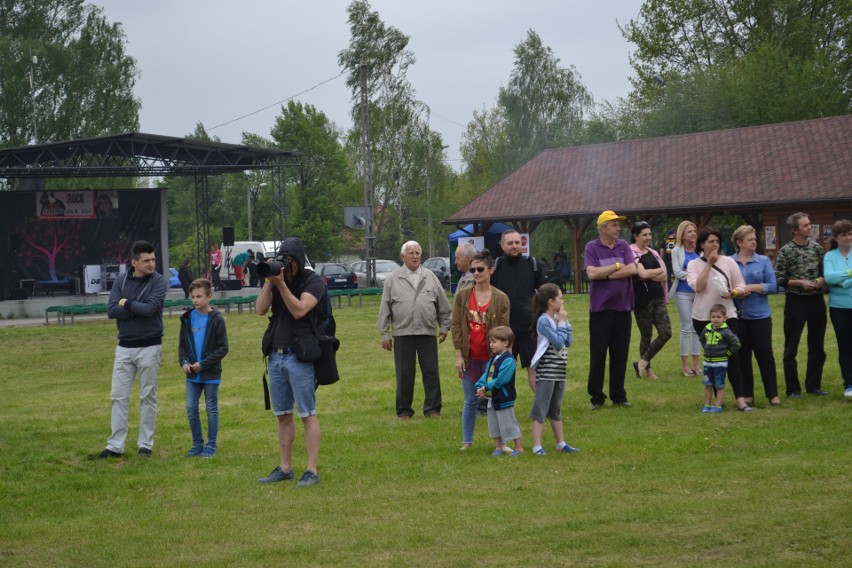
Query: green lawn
658	484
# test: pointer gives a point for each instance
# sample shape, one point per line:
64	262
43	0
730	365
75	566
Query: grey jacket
140	320
413	312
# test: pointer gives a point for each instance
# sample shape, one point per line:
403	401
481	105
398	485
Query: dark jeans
735	374
217	281
424	348
608	331
798	311
841	319
756	338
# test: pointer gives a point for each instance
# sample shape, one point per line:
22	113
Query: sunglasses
475	269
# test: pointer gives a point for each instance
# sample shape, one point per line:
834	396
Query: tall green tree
321	180
402	144
82	84
709	64
543	103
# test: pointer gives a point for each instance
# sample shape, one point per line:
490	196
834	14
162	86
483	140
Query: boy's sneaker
497	453
277	475
308	478
144	452
517	453
566	449
194	452
847	393
707	408
539	452
208	453
718	409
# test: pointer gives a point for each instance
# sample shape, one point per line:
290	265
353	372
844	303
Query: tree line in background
700	65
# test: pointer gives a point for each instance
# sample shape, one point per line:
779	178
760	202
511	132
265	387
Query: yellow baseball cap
609	216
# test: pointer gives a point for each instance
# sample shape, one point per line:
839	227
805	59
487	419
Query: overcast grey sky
216	60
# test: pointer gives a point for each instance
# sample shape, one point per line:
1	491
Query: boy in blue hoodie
499	381
202	346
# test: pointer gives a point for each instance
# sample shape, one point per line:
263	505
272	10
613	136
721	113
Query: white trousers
128	362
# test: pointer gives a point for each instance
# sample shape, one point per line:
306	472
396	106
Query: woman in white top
717	279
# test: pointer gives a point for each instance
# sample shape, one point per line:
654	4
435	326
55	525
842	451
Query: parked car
337	275
440	265
383	268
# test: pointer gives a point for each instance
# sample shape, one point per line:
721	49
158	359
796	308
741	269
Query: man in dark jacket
136	303
518	277
293	293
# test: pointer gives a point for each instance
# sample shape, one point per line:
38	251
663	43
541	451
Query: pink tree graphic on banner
50	240
119	248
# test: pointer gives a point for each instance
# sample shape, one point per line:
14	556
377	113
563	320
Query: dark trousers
841	319
798	311
756	338
424	348
217	281
735	374
608	331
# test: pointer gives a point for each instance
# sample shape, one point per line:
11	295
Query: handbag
325	367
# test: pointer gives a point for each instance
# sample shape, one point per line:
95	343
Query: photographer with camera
293	293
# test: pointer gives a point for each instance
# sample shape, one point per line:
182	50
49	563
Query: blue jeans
211	401
474	371
291	382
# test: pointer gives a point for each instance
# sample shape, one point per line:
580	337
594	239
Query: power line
277	103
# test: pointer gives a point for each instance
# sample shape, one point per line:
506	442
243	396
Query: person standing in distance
136	305
518	277
798	268
413	306
464	256
610	266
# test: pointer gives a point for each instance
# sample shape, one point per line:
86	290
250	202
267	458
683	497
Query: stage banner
49	236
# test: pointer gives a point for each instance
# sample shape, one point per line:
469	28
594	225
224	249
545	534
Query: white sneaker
848	392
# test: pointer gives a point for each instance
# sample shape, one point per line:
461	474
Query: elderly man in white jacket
414	305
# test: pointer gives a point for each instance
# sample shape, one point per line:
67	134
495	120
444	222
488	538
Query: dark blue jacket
215	345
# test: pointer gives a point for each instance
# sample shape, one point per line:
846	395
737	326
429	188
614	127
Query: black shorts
524	349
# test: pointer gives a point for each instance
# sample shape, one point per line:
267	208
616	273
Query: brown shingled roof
742	168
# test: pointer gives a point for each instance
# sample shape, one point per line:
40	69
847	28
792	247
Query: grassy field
657	485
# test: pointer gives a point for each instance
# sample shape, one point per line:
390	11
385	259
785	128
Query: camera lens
269	268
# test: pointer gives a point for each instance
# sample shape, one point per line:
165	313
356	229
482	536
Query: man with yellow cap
609	264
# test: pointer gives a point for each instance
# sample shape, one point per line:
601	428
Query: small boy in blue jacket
202	345
499	381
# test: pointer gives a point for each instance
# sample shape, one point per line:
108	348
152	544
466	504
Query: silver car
383	268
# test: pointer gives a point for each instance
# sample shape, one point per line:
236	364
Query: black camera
273	267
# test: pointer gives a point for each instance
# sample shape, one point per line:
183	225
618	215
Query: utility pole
33	63
370	256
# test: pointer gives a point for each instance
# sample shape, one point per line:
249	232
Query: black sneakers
144	452
277	475
106	453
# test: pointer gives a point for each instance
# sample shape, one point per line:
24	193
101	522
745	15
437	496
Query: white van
271	250
230	253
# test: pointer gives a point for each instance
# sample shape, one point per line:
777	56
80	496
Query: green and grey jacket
719	344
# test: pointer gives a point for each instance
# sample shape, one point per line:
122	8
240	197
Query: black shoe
625	404
144	452
277	475
794	395
106	453
636	368
819	392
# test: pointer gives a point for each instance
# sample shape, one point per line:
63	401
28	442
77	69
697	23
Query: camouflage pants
653	315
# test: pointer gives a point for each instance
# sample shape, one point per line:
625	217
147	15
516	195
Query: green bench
183	303
79	310
48	310
359	292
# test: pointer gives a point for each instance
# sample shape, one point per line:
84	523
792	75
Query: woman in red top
475	312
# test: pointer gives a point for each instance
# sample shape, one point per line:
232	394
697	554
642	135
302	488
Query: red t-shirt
476	323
